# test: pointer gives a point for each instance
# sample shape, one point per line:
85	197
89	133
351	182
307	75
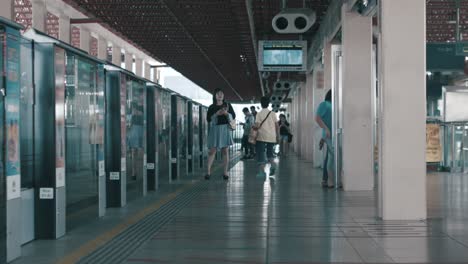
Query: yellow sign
433	147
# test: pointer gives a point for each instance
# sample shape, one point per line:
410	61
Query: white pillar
128	61
85	39
304	132
357	149
402	61
309	119
327	66
6	9
102	48
64	28
147	71
116	55
39	15
139	67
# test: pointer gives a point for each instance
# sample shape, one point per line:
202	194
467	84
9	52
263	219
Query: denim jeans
329	162
325	171
263	157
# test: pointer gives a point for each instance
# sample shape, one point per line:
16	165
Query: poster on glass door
12	69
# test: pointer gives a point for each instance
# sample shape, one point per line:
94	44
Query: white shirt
267	133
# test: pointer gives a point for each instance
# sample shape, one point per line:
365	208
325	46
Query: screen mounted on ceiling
282	55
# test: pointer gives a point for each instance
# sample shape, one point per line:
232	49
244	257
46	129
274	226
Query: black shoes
207	177
225	177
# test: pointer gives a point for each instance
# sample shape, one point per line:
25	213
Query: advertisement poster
59	117
12	69
433	147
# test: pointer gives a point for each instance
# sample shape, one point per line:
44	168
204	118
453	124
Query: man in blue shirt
324	120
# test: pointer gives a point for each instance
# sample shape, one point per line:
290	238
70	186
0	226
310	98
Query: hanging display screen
282	55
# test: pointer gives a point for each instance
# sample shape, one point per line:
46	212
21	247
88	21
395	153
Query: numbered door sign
46	193
114	176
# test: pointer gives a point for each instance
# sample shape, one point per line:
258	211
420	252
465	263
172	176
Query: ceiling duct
294	20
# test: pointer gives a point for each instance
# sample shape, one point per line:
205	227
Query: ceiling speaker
294	20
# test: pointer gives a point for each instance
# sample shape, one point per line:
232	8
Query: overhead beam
85	20
248	4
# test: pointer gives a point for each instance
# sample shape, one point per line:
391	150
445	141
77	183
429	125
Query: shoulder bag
254	131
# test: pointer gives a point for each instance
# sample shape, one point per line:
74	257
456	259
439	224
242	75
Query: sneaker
207	177
272	178
261	176
272	170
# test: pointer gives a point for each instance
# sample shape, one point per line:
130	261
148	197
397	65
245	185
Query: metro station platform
245	220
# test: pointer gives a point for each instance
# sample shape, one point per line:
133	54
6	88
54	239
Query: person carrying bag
254	131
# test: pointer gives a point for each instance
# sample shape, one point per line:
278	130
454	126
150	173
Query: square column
116	55
85	39
6	9
309	116
357	92
128	61
64	28
402	75
147	71
39	15
102	48
139	67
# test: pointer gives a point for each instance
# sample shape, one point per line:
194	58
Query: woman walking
219	115
268	135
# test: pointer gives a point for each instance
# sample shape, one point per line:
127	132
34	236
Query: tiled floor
293	220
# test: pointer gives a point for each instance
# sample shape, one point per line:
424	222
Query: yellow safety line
102	239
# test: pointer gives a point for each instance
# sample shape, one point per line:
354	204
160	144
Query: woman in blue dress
220	113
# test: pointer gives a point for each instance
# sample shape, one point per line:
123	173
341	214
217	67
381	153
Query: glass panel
458	147
164	125
465	150
182	124
80	105
135	135
26	115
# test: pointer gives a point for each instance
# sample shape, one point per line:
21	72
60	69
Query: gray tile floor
295	221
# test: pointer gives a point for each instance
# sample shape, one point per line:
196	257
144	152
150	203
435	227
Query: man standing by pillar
324	120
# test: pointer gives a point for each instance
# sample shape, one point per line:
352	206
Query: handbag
290	137
254	131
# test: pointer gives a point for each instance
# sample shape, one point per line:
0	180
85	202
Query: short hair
265	101
328	97
245	110
252	107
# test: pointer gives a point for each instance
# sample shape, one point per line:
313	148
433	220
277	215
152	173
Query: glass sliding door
81	145
136	127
